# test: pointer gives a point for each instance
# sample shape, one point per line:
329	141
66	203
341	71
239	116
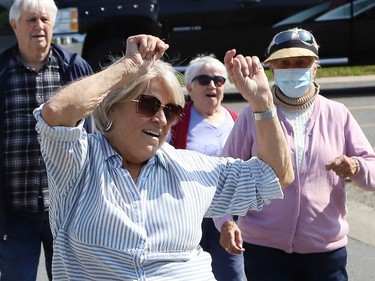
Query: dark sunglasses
302	35
204	80
147	106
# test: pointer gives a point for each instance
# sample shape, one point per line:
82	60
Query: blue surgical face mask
293	82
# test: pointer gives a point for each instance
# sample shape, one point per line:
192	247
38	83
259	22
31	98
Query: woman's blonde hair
161	70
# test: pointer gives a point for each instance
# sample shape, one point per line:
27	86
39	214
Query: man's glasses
204	80
147	106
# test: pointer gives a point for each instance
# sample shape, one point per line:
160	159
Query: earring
108	127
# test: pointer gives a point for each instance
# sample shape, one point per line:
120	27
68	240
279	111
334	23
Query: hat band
292	44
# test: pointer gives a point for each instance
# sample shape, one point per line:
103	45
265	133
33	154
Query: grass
327	71
346	71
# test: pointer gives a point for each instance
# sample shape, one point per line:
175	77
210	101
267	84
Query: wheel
99	55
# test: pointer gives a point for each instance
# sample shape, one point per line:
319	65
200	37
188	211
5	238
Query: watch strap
266	115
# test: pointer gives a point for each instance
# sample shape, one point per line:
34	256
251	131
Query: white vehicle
65	30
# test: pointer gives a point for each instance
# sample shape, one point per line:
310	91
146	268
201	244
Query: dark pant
225	266
20	253
266	264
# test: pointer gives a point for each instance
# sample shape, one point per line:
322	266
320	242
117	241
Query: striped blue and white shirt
106	227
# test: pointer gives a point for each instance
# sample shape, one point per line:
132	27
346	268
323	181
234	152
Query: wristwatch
266	114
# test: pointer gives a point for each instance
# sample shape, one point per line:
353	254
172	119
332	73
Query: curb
347	82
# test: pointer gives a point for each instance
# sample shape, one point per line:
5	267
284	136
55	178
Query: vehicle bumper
73	42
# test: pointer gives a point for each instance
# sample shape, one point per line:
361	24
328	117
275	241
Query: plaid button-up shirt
25	169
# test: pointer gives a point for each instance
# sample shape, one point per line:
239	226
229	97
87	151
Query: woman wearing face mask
304	236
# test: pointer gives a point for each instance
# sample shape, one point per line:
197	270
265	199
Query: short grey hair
19	6
196	64
161	70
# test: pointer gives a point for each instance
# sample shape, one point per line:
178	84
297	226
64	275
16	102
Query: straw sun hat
290	43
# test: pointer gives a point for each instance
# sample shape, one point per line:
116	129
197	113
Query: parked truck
191	27
343	28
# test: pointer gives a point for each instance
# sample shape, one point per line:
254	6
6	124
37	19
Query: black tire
101	54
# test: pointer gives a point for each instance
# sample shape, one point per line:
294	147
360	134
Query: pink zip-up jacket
312	216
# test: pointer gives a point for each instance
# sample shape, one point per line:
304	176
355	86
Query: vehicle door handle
249	2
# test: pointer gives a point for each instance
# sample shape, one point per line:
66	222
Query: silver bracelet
266	114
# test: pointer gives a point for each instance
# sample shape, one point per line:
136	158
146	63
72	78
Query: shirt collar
47	63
